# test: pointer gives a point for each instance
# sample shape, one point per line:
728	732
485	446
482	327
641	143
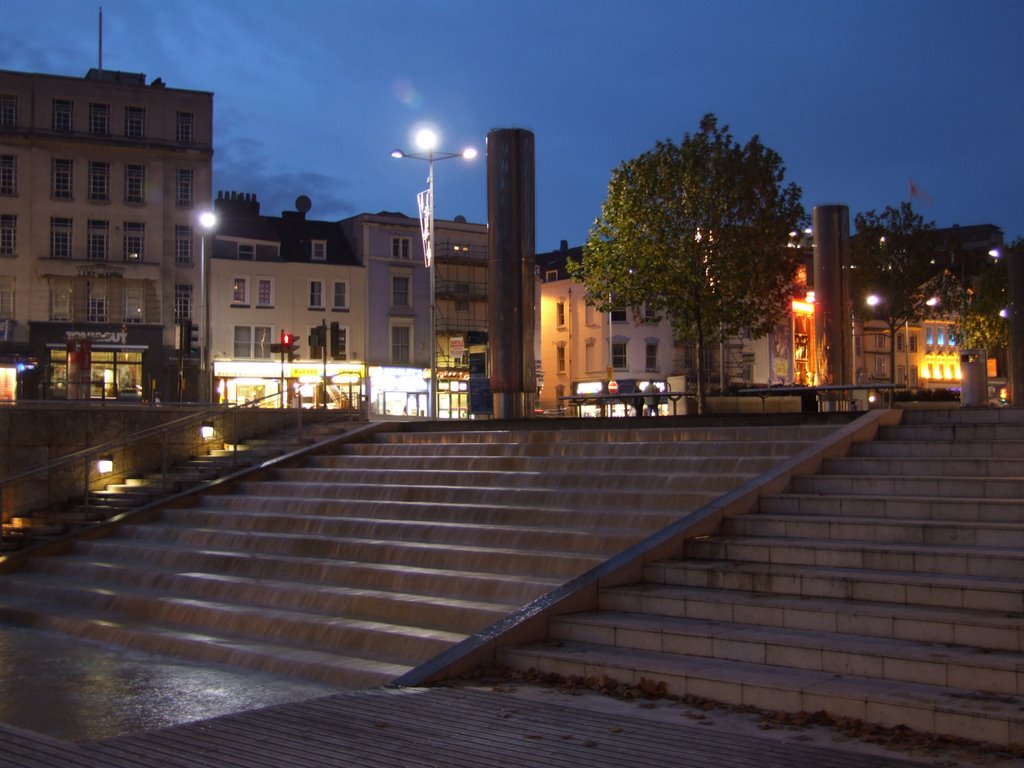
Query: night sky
858	97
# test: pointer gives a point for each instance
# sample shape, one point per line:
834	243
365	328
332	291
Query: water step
867	485
895	506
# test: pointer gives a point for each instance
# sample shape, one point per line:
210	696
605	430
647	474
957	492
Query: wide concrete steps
384	558
889	587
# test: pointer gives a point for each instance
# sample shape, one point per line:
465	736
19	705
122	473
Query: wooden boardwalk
444	727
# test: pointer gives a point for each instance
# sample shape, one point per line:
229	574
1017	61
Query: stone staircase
358	565
887	588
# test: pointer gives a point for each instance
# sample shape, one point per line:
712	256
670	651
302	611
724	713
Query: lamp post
426	140
207	221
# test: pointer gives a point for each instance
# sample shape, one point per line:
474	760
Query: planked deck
451	727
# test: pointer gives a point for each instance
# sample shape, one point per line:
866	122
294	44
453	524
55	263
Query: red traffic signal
286	338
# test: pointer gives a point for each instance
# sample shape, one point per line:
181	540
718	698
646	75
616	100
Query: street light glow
426	139
208	219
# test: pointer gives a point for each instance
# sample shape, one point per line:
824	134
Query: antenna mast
101	38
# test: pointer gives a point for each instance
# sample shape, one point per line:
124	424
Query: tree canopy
697	232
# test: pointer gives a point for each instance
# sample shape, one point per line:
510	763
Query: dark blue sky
857	97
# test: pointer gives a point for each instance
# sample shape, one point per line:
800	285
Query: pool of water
80	690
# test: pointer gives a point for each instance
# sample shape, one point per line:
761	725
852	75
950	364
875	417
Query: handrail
74	469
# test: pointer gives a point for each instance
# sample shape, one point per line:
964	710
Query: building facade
401	346
101	179
275	277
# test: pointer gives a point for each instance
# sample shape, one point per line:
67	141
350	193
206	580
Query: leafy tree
893	255
697	232
981	325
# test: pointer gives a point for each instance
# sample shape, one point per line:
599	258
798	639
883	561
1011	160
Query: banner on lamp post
423	199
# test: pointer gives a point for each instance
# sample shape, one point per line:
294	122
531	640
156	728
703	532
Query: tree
697	232
893	257
983	324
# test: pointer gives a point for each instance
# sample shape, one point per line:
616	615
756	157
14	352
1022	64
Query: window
6	297
340	295
8	174
650	316
135	122
651	356
316	294
183	187
550	275
99	119
318	250
913	342
899	342
399	291
60	238
560	358
618	316
560	314
182	302
63	119
261	341
133	293
252	341
186	128
61	178
8	110
400	248
135	183
879	341
339	349
619	355
246	251
240	290
95	302
243	341
400	343
590	315
98	243
99	181
134	241
182	244
60	300
880	362
8	234
264	292
462	305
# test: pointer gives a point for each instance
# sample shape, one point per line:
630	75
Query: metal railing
50	486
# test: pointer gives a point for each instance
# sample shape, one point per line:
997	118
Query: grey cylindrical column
1015	351
833	320
510	244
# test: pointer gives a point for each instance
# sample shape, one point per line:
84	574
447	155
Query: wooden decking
451	727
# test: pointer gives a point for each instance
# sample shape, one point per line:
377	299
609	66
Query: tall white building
101	181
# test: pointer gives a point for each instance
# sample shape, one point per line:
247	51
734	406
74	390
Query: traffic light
188	338
317	342
289	346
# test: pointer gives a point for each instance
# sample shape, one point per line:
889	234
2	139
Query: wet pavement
78	690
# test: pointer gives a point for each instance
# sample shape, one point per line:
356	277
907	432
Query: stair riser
584	451
619	466
796	553
965	534
919	487
924	717
903	467
825	618
977	597
983	510
816	657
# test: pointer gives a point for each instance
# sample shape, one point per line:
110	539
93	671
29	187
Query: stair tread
954	701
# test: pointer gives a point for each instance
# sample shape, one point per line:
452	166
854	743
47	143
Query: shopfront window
114	374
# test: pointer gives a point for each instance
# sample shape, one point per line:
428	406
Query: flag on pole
916	191
423	199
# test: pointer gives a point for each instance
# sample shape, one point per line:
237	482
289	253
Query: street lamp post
426	140
207	221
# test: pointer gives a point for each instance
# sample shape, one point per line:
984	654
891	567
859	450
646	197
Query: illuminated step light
105	465
206	430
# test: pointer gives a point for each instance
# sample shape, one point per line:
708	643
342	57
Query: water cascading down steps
887	588
359	565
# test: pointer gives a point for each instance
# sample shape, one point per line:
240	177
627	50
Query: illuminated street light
426	140
207	221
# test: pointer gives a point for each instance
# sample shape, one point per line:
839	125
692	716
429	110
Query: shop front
276	384
399	391
101	365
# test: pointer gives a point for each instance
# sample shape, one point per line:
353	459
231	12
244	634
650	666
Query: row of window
100	298
62	181
99	119
244	288
97	239
253	341
620	358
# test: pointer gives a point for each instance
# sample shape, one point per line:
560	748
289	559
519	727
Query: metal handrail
83	460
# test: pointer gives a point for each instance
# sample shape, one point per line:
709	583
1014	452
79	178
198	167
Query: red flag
915	191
